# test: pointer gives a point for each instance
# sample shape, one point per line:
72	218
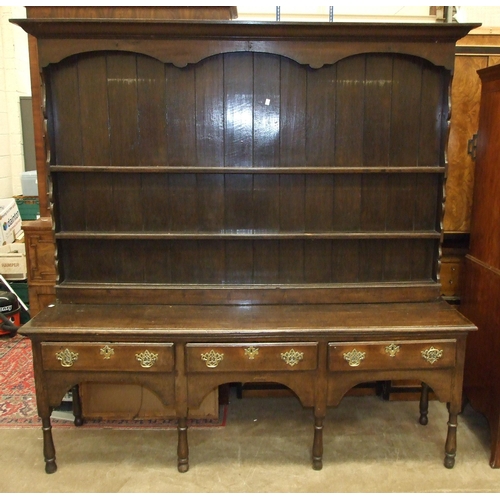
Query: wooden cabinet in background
40	259
481	297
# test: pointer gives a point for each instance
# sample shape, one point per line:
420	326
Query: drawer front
391	355
249	357
113	356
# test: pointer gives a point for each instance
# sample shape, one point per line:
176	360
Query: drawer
249	357
113	356
391	355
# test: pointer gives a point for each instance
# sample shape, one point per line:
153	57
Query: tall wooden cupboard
481	297
258	201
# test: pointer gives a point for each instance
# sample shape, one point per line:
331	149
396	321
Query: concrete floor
370	445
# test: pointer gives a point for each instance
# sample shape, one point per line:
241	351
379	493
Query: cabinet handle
392	350
432	354
67	357
292	357
354	357
212	358
107	352
146	359
251	352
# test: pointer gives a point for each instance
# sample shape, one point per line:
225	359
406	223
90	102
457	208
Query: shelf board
243	235
162	169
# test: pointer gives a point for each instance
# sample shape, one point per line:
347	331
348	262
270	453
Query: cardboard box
13	261
10	221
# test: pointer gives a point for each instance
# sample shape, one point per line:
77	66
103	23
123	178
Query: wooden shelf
243	235
162	169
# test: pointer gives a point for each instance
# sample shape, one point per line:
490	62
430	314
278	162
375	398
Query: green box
29	207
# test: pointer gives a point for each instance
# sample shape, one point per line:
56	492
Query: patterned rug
18	400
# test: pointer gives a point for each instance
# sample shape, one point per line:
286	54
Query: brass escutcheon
292	357
354	357
251	352
212	358
106	352
392	350
432	354
146	359
67	357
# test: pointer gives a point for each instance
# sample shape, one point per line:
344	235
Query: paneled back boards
248	170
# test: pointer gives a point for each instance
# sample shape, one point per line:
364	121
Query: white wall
14	83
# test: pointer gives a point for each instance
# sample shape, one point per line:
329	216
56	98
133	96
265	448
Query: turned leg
451	442
49	451
77	406
317	452
424	404
182	446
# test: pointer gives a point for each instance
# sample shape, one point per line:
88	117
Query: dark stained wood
249	195
481	291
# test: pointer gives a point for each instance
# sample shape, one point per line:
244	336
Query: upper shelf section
186	42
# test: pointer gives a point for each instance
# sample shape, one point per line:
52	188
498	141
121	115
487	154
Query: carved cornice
188	42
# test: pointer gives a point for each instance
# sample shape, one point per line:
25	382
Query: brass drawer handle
251	352
432	354
392	350
107	352
146	359
354	357
292	357
212	358
67	357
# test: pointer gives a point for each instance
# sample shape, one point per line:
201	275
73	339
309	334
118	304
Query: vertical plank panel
65	113
291	261
372	260
184	255
266	261
70	193
345	261
349	135
238	136
406	104
123	112
211	262
238	202
238	101
397	265
182	193
155	202
292	202
266	206
151	112
319	203
209	78
158	268
320	127
238	262
210	152
293	113
266	113
180	115
317	261
92	81
376	139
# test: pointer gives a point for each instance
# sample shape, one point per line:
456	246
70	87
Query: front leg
182	446
424	404
49	451
317	451
451	441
